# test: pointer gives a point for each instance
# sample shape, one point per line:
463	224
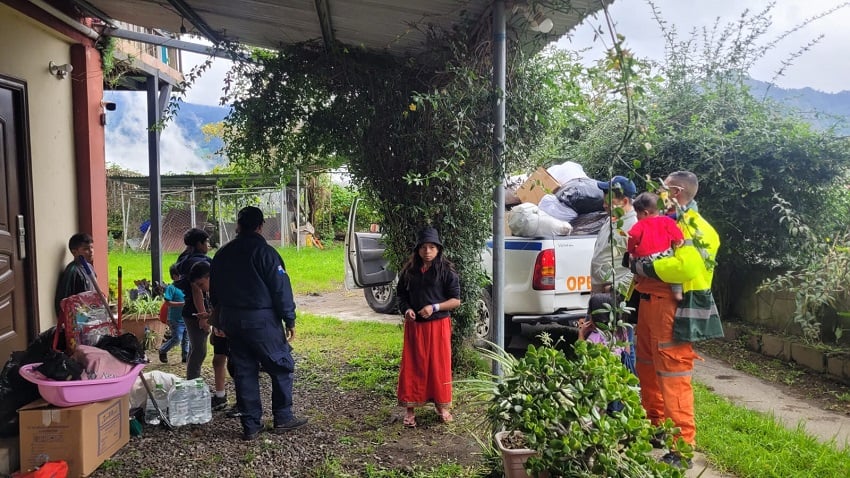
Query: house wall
52	144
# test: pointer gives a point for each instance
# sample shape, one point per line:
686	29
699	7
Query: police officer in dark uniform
251	292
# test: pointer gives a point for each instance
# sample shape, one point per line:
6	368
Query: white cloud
207	89
127	139
822	68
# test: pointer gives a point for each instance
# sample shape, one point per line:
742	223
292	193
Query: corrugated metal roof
393	26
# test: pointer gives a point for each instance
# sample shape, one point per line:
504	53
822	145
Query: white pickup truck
547	279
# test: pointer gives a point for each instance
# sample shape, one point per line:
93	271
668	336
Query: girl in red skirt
428	288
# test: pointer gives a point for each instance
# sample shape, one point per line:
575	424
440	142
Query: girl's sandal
410	421
445	416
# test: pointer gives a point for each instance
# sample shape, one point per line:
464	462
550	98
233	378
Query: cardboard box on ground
84	435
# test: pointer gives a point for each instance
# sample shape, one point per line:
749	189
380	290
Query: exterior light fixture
59	71
537	21
540	23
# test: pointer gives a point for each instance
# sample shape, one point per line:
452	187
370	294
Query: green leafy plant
418	131
564	408
819	281
142	308
696	112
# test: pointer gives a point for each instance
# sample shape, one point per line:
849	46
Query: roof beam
189	14
173	43
323	11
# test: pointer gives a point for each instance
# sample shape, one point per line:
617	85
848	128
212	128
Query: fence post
282	213
192	222
297	210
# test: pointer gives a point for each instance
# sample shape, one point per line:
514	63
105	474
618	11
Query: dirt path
344	305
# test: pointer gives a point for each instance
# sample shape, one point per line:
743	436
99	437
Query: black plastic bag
125	347
581	194
58	366
15	391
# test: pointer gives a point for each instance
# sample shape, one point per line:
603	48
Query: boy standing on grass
174	299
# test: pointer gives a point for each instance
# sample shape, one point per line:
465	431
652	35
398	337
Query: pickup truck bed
547	279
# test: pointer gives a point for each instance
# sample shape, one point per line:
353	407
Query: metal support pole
499	59
154	116
192	221
285	217
282	213
297	210
123	218
220	216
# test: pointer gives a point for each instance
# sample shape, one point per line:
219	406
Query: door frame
21	104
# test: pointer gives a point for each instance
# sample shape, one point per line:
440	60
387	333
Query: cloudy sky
823	68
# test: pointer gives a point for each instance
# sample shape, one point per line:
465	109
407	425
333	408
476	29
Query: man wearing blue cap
606	270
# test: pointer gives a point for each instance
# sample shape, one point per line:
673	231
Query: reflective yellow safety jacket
692	265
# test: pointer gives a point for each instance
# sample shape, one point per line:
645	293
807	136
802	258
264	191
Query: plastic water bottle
151	416
178	404
200	406
161	398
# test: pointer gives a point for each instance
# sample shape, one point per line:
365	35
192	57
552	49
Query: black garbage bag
58	366
125	347
582	195
15	391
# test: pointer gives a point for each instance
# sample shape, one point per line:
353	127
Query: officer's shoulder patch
280	270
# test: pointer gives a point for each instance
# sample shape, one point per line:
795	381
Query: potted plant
141	318
578	415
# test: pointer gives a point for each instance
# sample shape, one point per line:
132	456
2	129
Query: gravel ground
349	432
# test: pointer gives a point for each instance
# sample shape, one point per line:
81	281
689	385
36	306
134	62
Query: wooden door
15	310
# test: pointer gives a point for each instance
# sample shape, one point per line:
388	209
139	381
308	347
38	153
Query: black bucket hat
429	234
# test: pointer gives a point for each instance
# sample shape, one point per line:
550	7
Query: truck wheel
482	316
484	329
382	298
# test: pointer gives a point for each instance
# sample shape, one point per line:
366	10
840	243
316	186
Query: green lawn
310	269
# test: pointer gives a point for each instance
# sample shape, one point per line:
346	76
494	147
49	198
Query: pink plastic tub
77	392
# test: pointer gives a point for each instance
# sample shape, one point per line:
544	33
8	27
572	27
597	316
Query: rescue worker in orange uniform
665	357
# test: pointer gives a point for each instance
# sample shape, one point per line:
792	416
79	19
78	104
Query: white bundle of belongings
577	194
528	220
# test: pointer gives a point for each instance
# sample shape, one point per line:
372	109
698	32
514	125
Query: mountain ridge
125	125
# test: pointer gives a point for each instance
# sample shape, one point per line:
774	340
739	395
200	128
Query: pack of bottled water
189	403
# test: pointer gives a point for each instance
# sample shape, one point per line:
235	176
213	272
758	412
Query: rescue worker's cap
429	234
621	184
250	218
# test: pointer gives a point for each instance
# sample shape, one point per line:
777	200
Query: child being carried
654	235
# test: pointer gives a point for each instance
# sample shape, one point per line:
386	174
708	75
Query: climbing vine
416	132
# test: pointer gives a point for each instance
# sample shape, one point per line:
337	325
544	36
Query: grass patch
446	470
311	270
370	351
751	444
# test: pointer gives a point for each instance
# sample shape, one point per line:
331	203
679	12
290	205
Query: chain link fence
208	207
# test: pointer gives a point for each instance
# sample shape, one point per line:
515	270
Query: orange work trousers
664	366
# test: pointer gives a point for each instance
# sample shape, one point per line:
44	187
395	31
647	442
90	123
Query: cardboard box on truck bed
84	435
539	184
